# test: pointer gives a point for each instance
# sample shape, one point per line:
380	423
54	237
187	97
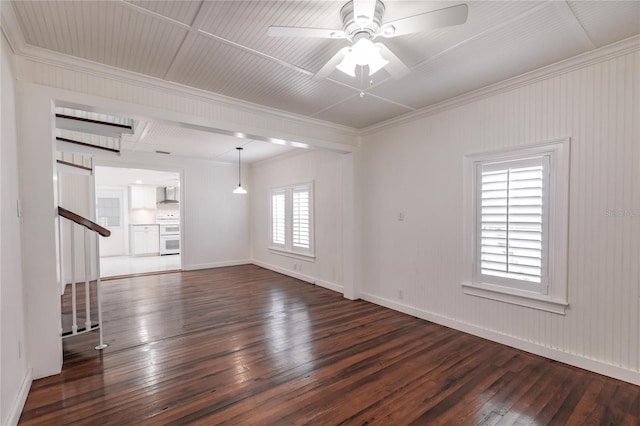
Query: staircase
79	137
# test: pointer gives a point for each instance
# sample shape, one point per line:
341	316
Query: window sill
293	254
516	297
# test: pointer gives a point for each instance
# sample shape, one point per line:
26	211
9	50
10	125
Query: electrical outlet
400	294
401	216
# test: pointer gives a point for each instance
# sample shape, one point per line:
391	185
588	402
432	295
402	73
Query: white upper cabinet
143	197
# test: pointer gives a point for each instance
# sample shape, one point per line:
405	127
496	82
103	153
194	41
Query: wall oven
169	238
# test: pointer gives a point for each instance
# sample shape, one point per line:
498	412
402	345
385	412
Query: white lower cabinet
145	240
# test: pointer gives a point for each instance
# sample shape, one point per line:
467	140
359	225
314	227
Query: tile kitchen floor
129	265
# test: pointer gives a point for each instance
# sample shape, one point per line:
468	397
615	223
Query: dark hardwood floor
244	345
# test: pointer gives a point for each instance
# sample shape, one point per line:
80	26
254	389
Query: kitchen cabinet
143	197
145	239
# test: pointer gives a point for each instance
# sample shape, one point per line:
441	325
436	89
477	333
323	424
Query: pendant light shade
239	189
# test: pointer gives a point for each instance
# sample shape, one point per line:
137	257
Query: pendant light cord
239	168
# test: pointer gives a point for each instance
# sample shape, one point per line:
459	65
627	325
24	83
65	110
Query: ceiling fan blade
304	32
395	67
454	15
363	11
330	66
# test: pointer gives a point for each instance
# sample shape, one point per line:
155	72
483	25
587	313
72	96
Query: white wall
13	365
416	168
325	169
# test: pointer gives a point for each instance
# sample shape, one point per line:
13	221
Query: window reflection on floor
128	265
288	333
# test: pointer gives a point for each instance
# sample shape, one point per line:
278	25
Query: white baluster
87	280
74	327
102	345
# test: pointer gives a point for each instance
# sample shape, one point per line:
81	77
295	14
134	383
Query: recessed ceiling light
138	181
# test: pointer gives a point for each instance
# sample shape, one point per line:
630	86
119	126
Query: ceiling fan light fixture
347	66
362	53
388	31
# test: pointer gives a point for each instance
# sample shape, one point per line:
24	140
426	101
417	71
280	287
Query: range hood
168	195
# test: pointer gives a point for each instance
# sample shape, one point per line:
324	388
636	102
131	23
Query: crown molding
582	60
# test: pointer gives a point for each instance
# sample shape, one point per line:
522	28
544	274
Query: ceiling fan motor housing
352	28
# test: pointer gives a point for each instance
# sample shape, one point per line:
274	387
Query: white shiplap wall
416	168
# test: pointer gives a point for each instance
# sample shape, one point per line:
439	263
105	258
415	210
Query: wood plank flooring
247	346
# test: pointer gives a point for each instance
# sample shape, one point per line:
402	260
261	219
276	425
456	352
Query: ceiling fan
362	24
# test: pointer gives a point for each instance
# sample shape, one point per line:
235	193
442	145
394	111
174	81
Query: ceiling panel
596	18
362	111
539	39
105	32
483	16
215	66
183	11
246	23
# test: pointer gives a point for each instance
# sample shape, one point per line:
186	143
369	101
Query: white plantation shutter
278	217
301	219
292	220
512	229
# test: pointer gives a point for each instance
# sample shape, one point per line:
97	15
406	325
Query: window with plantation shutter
278	217
300	216
516	225
291	220
512	228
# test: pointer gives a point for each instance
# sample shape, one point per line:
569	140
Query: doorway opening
141	208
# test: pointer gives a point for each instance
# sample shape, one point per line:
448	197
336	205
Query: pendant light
239	189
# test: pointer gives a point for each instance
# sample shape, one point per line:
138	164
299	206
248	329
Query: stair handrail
92	226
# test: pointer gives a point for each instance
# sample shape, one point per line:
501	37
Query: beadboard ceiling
223	47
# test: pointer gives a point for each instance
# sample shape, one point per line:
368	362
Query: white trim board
15	411
311	280
592	365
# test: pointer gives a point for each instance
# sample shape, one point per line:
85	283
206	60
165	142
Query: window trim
555	300
288	249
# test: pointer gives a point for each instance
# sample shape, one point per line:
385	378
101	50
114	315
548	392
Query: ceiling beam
187	43
574	24
155	15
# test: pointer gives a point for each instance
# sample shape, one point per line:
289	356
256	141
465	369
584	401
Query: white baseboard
18	404
555	354
215	265
331	286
